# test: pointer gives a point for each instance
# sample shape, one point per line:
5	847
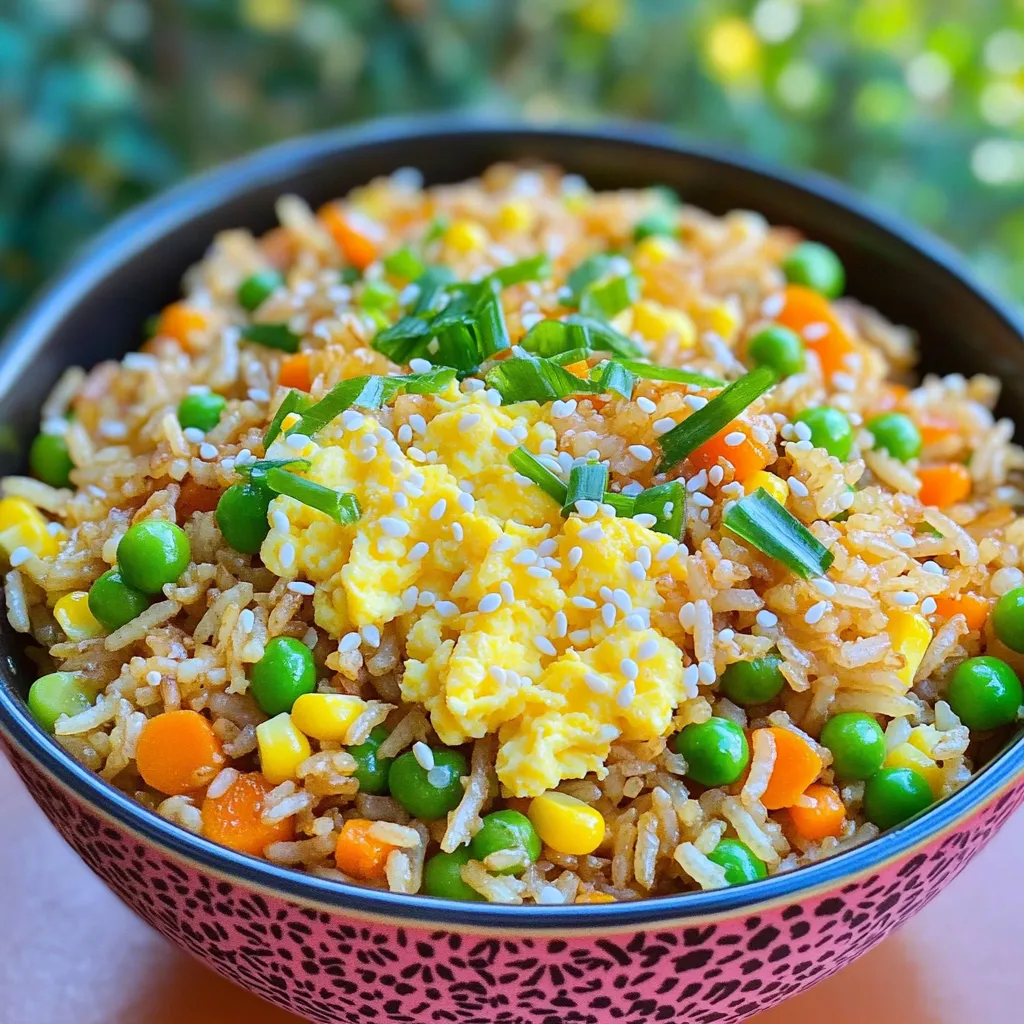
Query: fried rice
691	297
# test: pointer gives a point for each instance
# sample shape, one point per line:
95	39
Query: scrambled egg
516	621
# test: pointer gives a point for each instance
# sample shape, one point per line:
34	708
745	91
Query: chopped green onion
667	503
573	355
624	504
701	426
535	380
273	336
431	284
400	341
437	227
349	275
294	401
258	469
552	337
523	462
369	392
378	295
340	506
606	299
672	374
592	269
404	263
613	376
763	523
536	268
586	483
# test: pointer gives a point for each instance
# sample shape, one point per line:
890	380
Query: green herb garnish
525	463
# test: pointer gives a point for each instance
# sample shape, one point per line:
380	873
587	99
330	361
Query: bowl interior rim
144	226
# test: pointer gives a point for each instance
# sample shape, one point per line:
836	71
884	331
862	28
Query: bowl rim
136	230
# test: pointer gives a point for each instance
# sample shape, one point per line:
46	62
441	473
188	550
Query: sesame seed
824	586
418	551
627	694
153	677
507	593
802	431
208	452
701	500
815	612
560	624
608	614
279	521
697	482
371	634
506	437
457	532
663	426
666	551
525	557
492	397
902	539
418	423
623	600
438	509
646	405
687	615
934	568
734	438
640	452
766	618
468	422
580	636
286	556
299	587
596	683
426	598
637	571
367	454
706	673
646	520
244	457
349	642
297	441
633	489
545	646
643	556
489	603
404	433
715	475
928	606
400	500
520	432
798	487
579	601
802	446
466	502
416	454
353	420
904	598
409	598
629	668
575	556
547	547
586	508
635	622
593	532
815	331
846	500
446	609
393	527
538	572
647	650
424	755
691	677
438	777
497	673
560	409
695	402
547	446
550	896
420	365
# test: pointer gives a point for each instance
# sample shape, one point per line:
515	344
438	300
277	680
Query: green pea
442	876
1008	619
242	516
660	222
114	602
715	751
740	863
284	673
257	288
778	347
985	693
428	794
152	554
894	795
815	266
830	430
857	744
59	693
507	830
753	682
378	295
202	411
897	434
404	263
49	460
371	770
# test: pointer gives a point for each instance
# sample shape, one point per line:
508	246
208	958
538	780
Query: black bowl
97	308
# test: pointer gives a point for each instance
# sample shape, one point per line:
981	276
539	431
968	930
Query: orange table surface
72	954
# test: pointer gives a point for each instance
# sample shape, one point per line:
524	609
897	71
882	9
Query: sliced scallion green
701	426
552	337
764	524
573	355
525	463
607	298
278	336
340	506
535	380
431	285
258	469
613	376
587	482
624	504
667	503
672	374
535	268
592	269
404	263
294	401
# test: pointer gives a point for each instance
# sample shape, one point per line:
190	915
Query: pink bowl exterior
330	966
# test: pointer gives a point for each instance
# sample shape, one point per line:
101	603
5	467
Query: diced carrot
824	819
594	896
359	853
580	369
746	458
797	765
180	322
353	233
235	818
294	372
803	308
195	497
972	607
178	752
935	428
944	485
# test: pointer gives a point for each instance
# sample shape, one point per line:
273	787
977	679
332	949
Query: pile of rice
194	647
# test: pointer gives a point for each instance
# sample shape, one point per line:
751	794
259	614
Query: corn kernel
326	716
595	897
658	322
22	525
924	737
289	421
910	635
774	485
465	236
566	824
723	318
515	216
907	755
282	748
74	617
655	249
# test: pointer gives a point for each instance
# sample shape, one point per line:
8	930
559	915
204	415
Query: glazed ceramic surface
334	953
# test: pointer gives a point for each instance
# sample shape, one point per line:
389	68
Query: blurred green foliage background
919	103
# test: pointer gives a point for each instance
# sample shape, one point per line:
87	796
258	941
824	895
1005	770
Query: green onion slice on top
701	426
404	263
672	374
341	506
613	376
525	463
294	401
586	483
258	469
278	336
535	380
764	524
667	503
553	337
607	298
535	268
624	504
590	271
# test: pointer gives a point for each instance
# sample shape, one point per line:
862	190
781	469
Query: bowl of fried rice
458	571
